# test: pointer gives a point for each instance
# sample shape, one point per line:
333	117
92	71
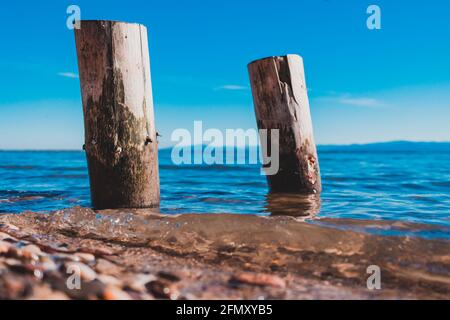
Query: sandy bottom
140	254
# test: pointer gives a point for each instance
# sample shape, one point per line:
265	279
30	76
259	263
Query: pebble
85	257
14	252
16	288
11	262
258	279
109	280
162	290
114	293
48	264
101	251
67	257
44	292
4	247
27	268
349	270
10	226
107	267
171	276
31	248
138	282
5	236
31	252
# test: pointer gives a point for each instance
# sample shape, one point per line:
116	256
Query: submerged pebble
258	279
85	257
171	275
5	236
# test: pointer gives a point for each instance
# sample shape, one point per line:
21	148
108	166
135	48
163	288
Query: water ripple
377	185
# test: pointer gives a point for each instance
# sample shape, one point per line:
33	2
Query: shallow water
281	257
402	182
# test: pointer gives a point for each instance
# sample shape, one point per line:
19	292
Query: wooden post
120	137
281	102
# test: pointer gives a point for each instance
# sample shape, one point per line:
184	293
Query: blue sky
364	85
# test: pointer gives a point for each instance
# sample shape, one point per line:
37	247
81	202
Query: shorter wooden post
120	137
281	102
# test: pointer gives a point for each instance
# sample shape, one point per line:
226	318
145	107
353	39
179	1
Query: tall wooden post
120	136
281	102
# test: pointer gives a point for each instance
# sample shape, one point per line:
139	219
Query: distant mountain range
403	146
392	146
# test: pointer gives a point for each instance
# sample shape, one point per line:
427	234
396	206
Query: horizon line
240	147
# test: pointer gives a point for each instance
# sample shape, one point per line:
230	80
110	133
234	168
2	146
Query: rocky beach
140	254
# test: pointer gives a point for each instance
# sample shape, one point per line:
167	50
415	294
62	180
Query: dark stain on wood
123	167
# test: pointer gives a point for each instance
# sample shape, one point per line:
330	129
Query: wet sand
140	254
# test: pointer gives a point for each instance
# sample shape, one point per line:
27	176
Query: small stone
60	248
10	226
107	267
162	290
48	264
114	293
86	273
5	236
15	287
85	257
67	257
32	249
349	270
109	280
137	282
27	268
258	279
98	251
4	247
14	252
31	252
44	292
171	276
11	262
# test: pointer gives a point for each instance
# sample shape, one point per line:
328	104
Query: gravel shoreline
207	257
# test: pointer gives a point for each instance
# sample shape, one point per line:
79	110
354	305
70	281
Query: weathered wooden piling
120	137
281	102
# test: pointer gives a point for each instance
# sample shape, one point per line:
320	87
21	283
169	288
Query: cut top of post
293	56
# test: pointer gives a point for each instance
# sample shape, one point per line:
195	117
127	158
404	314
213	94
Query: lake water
363	186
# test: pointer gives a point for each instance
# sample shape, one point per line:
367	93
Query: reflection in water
391	185
290	204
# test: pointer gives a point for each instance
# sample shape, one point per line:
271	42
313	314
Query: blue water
399	181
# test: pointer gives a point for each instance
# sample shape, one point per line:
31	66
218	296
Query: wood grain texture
120	137
281	102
